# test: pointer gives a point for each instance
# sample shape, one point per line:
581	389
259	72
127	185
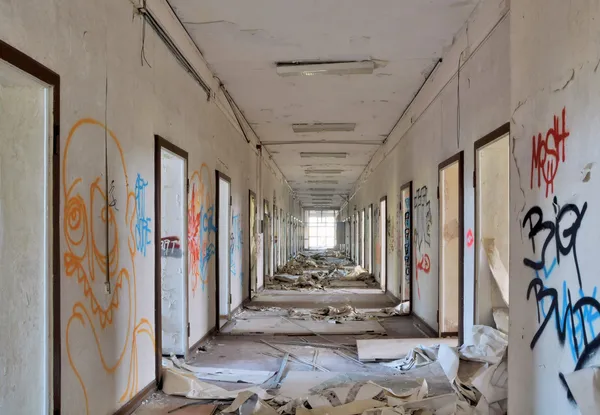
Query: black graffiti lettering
535	219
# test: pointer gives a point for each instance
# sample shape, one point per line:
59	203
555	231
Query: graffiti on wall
406	239
391	234
201	227
235	247
142	222
565	296
87	263
548	152
422	237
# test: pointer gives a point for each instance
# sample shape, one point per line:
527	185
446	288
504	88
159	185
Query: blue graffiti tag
235	245
142	222
206	227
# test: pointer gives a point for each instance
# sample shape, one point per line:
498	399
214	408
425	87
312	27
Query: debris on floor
317	270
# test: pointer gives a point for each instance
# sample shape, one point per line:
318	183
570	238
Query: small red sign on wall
470	239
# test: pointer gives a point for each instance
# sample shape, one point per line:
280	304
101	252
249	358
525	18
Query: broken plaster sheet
497	268
450	361
416	357
256	377
353	408
248	403
277	325
393	349
584	385
179	382
501	319
492	382
487	345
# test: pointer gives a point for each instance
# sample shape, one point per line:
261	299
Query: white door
173	261
224	229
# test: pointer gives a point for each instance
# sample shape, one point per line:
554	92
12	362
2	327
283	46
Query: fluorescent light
321	127
308	155
324	68
317	171
323	181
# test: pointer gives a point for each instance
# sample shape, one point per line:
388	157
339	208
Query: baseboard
136	401
426	328
203	339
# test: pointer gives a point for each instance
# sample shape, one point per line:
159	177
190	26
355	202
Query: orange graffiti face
89	222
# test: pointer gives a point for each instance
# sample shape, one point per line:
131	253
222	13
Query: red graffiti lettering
548	153
424	265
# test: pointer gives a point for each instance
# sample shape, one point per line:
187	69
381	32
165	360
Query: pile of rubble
318	270
482	389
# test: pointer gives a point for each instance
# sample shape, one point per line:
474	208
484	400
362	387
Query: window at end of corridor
320	225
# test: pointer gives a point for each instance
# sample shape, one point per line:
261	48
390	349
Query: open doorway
252	210
29	228
369	243
450	196
222	253
383	241
356	239
275	237
267	239
171	278
491	237
362	239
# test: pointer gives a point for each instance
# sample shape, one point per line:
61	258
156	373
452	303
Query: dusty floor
249	352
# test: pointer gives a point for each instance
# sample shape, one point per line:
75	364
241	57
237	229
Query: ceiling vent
324	171
324	128
311	68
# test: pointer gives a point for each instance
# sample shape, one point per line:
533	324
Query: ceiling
243	40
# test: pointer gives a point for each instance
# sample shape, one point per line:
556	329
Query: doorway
171	259
222	252
406	211
356	240
369	243
275	241
451	250
252	211
362	239
491	236
267	241
29	218
383	241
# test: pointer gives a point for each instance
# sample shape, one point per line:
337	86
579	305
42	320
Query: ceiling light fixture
317	171
308	155
323	181
325	68
324	127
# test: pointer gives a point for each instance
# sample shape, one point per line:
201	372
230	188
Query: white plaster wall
25	270
95	48
555	50
430	137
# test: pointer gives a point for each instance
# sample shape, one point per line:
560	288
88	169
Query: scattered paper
256	377
497	267
487	345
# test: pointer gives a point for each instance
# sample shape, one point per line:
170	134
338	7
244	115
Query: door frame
458	157
42	73
371	242
250	194
159	144
409	186
384	244
265	228
479	144
220	175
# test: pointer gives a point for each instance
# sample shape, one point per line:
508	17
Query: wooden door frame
220	175
159	144
409	186
384	245
42	73
478	145
458	157
250	194
265	242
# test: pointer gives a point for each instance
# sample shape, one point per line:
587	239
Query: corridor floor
335	353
